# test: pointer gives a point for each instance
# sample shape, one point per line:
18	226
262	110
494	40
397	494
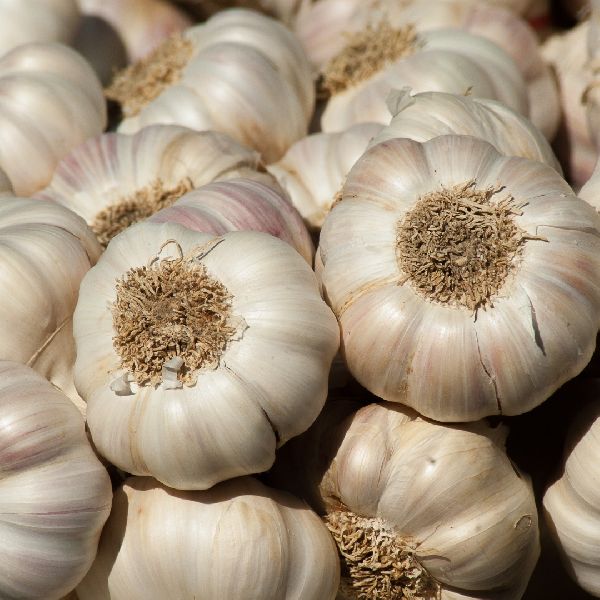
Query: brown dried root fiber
377	564
137	85
458	246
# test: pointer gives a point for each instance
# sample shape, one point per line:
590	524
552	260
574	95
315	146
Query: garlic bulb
199	355
45	250
211	76
37	21
313	170
239	540
448	60
50	101
115	180
142	24
418	509
54	493
466	283
572	503
240	205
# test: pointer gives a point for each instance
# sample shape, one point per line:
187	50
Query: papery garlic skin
50	101
45	250
450	493
240	205
268	384
236	57
55	495
313	170
444	60
445	359
572	504
240	540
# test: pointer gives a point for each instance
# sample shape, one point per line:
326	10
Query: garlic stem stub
242	311
466	283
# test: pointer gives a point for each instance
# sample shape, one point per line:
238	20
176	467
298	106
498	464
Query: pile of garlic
290	281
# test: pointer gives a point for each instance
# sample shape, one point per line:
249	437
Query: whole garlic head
199	355
465	283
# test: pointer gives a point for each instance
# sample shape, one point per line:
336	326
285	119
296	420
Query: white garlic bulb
240	72
54	494
115	180
313	170
239	540
466	283
417	508
199	355
240	205
50	101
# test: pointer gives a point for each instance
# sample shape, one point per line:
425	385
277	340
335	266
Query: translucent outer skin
55	496
239	540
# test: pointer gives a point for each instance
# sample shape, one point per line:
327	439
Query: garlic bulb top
54	493
240	72
445	60
115	180
240	204
416	507
199	355
313	170
50	101
239	540
465	283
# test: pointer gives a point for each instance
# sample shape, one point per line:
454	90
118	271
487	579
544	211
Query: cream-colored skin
443	360
449	60
25	21
314	168
572	503
240	540
269	385
45	250
590	191
239	56
450	491
240	204
50	101
55	495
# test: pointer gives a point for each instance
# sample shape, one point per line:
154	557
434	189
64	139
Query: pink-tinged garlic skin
50	102
55	495
240	205
141	24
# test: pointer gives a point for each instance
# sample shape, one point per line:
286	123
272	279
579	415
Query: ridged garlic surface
25	21
239	540
240	204
465	283
418	509
115	180
45	250
239	72
50	101
55	496
313	170
572	503
199	355
443	60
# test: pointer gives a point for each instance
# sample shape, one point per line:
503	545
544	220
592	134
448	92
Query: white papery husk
237	57
572	503
50	101
239	540
445	360
444	60
449	493
268	386
45	250
55	495
240	204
